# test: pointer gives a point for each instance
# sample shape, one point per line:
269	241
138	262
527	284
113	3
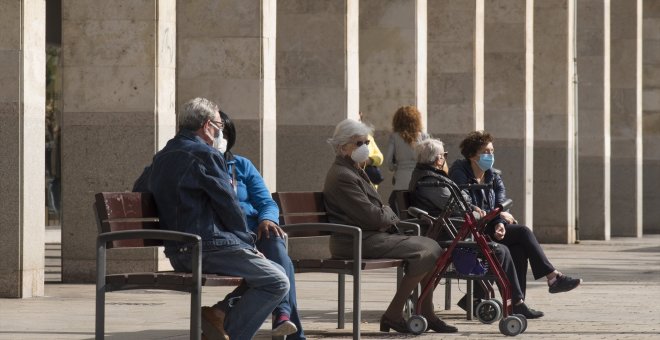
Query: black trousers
525	248
503	255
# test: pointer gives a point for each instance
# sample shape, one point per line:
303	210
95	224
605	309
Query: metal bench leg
470	298
100	291
356	306
341	306
447	294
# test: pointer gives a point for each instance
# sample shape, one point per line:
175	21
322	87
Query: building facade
569	88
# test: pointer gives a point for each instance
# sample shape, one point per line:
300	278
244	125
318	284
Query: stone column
22	131
593	128
505	81
317	85
651	116
554	187
118	109
455	70
392	65
226	53
626	118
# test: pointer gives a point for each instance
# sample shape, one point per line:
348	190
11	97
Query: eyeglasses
217	125
360	142
443	155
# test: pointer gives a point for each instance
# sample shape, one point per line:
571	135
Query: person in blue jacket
262	215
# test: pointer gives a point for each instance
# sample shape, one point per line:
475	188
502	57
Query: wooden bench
302	214
130	219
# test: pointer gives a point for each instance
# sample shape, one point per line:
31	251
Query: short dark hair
474	141
229	130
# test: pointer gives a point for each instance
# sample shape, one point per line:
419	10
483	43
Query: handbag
374	174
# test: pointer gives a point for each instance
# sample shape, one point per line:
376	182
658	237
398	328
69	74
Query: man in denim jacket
193	193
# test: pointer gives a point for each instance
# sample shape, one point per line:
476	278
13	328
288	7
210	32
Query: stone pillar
455	75
22	131
593	128
626	118
554	187
118	109
505	81
226	53
317	85
392	65
651	116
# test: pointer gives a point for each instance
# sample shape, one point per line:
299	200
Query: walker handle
505	205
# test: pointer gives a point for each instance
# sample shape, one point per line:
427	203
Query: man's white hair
345	131
196	112
428	150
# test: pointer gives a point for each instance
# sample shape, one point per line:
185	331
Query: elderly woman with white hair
351	199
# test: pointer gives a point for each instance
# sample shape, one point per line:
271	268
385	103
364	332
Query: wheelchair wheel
408	308
511	326
524	322
488	311
417	324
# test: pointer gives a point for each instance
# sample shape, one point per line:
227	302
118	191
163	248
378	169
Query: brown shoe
213	323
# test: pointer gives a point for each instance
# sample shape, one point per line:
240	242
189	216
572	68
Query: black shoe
526	311
463	304
564	284
398	325
440	326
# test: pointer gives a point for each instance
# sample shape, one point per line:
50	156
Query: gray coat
351	199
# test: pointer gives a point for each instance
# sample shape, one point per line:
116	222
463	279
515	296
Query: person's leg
522	236
267	286
506	262
274	249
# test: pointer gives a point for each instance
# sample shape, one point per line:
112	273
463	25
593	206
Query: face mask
217	140
223	145
361	154
486	161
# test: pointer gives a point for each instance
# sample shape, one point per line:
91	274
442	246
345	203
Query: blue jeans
275	250
265	285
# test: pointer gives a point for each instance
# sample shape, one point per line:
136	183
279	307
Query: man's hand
266	226
508	218
499	231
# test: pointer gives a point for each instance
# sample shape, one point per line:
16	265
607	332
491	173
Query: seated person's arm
261	199
353	199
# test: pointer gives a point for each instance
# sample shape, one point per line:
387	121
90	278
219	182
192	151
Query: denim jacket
461	173
253	195
193	194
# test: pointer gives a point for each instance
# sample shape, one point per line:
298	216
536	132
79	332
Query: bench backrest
402	198
301	207
126	211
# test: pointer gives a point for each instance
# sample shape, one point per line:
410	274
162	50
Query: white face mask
361	154
223	145
217	140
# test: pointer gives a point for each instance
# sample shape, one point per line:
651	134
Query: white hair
345	131
428	150
196	112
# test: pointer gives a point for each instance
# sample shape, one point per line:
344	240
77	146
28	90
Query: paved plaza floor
619	299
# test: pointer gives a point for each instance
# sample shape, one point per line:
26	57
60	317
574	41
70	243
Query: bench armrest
406	226
329	228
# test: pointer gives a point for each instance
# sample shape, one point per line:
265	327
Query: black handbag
374	174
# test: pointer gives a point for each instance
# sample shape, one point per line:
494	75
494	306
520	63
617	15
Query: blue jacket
193	194
253	195
461	173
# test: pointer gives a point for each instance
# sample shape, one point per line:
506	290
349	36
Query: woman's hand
266	226
508	218
479	211
499	231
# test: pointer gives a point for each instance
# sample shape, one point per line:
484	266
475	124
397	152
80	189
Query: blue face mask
486	161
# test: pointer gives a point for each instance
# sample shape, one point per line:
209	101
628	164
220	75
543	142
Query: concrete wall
651	116
554	196
118	109
593	62
317	85
626	118
22	131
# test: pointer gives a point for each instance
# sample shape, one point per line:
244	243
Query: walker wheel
524	322
417	324
488	311
511	326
